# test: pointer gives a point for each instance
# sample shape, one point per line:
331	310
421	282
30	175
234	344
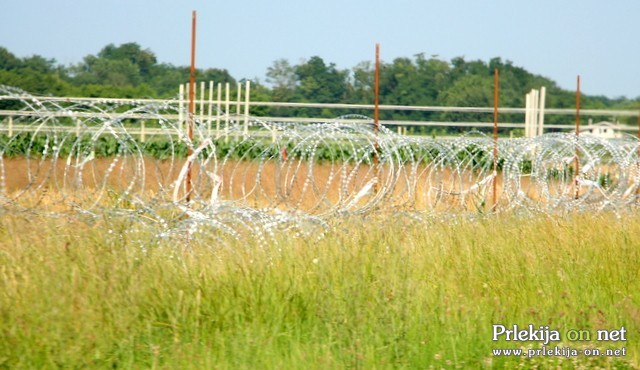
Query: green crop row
162	148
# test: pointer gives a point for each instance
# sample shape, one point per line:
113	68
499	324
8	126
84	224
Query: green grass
368	295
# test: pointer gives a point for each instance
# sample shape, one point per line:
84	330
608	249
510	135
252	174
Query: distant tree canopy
130	71
126	71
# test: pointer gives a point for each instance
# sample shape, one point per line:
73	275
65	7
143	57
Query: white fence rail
218	114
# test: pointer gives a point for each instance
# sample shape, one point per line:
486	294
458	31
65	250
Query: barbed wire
253	181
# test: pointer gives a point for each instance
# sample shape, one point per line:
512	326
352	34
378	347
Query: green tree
282	76
165	79
321	83
120	66
38	64
8	61
34	74
468	91
362	85
143	59
215	75
128	70
96	70
417	82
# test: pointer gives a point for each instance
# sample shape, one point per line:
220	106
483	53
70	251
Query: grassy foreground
366	296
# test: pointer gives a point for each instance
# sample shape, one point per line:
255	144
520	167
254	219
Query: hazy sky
558	39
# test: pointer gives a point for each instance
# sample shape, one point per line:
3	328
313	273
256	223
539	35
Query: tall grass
368	295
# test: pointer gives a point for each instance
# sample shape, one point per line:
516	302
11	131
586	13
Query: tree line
130	71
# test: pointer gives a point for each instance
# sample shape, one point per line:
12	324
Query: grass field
370	294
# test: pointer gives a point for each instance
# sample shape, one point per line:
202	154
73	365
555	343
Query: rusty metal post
495	138
576	159
190	123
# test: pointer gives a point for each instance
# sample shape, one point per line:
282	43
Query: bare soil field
290	185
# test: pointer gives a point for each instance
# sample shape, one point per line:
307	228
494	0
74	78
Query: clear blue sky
558	39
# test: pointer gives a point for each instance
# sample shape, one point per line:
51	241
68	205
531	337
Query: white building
604	130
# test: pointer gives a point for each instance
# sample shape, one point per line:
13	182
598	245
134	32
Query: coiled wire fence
64	159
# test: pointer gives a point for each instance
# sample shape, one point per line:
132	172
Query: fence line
534	111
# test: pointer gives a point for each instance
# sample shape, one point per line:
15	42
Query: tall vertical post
542	102
202	88
527	114
10	126
239	94
247	93
192	85
195	100
180	107
210	108
495	138
534	112
376	103
218	109
226	112
576	159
